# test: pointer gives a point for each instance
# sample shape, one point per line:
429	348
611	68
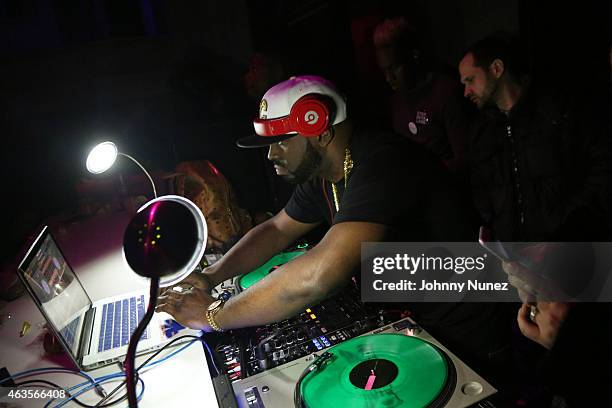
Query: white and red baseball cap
305	105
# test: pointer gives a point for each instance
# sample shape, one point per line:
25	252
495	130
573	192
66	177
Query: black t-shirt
394	182
399	184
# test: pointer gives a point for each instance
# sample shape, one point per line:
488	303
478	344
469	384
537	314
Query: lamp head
101	157
166	239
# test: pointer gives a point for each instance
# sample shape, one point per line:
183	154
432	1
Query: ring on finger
533	312
183	290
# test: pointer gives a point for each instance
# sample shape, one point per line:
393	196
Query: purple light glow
150	223
152	213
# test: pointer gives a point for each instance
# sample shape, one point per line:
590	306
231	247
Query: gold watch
211	311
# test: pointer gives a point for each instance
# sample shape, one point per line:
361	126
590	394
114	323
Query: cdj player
340	351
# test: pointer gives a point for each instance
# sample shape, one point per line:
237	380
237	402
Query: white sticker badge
412	127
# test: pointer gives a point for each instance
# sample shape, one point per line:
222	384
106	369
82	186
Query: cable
175	352
108	396
146	365
101	402
96	383
212	357
26	373
186	336
92	383
138	397
51	384
49	370
103	379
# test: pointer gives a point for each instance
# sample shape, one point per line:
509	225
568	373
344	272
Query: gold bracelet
210	319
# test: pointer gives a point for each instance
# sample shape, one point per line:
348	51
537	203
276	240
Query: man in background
426	105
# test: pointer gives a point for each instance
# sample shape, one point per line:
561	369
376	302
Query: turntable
390	370
389	367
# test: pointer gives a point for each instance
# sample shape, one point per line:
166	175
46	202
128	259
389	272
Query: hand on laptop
186	305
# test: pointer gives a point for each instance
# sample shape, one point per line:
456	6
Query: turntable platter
384	370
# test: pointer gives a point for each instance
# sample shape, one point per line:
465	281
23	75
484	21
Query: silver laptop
93	334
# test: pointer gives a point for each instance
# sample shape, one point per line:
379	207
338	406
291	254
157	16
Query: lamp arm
130	358
143	169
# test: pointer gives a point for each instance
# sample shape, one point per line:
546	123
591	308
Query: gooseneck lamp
103	156
164	241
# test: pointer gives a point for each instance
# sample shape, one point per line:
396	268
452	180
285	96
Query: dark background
163	79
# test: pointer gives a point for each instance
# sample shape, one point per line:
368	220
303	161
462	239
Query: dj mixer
251	351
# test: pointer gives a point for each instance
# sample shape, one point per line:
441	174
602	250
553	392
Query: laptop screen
56	289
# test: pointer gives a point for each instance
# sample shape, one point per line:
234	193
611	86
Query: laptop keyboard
119	320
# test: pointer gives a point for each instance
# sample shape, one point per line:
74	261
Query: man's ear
497	68
326	137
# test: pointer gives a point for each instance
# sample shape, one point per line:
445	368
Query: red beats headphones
310	116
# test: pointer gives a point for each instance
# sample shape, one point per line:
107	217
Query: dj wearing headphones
368	186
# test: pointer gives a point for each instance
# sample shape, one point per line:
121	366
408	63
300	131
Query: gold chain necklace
348	166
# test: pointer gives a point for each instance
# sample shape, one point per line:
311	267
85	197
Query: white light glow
101	157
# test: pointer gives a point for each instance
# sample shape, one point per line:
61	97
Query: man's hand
187	302
543	327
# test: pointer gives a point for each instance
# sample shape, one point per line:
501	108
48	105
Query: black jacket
543	171
573	367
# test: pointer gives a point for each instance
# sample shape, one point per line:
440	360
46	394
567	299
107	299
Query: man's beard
307	168
489	93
